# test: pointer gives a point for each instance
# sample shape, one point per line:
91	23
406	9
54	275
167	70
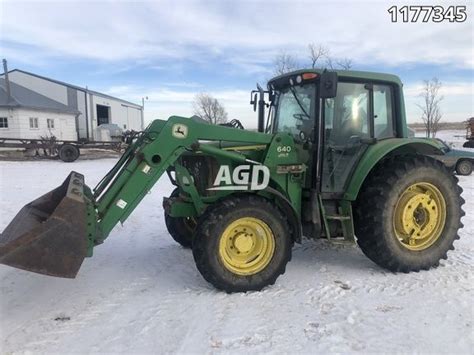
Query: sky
169	51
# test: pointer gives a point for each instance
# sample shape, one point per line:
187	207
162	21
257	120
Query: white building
26	114
94	108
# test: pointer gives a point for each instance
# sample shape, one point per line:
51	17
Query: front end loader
331	160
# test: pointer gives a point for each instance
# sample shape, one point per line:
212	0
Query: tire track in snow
53	331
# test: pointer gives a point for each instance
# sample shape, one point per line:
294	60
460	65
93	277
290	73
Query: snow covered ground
454	138
141	292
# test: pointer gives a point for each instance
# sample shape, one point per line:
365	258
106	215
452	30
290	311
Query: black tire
375	209
469	144
464	167
68	153
209	233
181	229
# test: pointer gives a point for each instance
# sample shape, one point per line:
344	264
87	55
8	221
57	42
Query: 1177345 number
425	13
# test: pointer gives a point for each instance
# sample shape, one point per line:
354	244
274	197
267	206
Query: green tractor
331	159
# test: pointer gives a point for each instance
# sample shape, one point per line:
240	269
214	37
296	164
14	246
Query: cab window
383	112
346	126
346	115
294	111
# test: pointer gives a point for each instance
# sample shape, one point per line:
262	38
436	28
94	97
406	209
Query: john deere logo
180	131
244	177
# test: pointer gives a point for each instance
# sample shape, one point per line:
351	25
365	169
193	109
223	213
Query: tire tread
370	207
209	222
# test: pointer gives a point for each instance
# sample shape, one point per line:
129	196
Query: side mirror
254	102
328	85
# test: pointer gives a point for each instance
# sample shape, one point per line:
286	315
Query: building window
50	122
3	122
34	123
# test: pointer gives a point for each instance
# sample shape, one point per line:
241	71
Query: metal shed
28	115
94	108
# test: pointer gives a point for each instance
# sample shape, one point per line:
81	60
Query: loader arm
54	233
145	161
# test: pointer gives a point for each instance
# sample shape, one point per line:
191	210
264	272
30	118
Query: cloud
165	102
245	36
447	89
457	104
184	84
211	42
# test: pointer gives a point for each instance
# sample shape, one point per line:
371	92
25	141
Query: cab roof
347	74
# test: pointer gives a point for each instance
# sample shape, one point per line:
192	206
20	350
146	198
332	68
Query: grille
203	169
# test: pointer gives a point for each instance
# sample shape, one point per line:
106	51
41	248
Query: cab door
354	119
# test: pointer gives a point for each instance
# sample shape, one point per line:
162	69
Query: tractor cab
337	115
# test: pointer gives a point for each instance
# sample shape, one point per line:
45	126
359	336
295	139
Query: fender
286	206
383	148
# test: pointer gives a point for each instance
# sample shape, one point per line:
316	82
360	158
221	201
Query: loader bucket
48	235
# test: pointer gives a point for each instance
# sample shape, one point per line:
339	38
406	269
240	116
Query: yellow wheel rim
246	246
420	216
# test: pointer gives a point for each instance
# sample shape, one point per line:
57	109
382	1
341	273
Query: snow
141	292
454	138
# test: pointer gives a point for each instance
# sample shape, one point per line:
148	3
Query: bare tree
319	56
317	53
329	63
338	63
284	63
430	106
209	108
344	63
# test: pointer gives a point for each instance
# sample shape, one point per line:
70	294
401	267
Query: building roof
74	87
26	98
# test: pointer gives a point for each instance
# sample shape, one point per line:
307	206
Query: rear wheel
181	229
464	167
408	214
242	243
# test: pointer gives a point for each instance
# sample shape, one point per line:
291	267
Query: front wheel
242	243
408	214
